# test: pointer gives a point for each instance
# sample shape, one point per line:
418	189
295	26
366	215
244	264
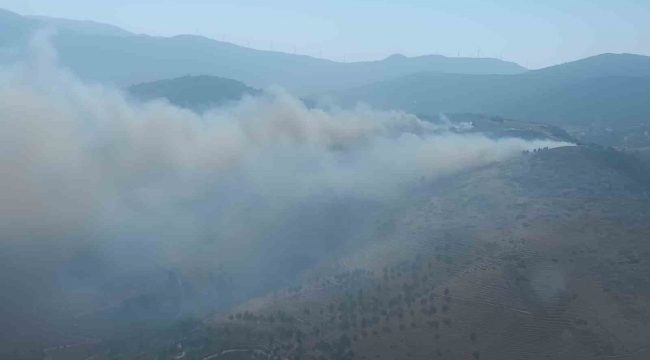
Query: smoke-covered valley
102	193
200	218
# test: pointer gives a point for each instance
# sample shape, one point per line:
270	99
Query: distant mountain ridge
604	89
86	26
600	90
607	64
93	52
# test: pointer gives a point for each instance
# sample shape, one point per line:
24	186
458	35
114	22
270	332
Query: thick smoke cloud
140	186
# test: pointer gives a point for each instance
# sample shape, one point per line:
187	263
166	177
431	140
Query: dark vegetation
198	93
367	308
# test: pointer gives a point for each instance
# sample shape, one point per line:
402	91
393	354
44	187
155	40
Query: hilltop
104	53
193	92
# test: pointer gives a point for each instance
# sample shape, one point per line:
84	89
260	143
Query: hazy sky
537	33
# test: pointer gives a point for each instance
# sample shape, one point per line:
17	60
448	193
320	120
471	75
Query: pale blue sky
539	33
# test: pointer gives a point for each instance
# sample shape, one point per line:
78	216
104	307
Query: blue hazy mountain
82	26
105	53
604	89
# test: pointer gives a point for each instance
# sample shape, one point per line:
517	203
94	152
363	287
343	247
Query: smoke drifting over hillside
145	185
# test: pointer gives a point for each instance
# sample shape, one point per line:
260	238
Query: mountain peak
396	57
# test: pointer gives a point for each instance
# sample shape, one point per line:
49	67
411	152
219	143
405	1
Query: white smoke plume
86	168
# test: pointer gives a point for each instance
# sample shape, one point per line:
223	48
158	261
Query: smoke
263	187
